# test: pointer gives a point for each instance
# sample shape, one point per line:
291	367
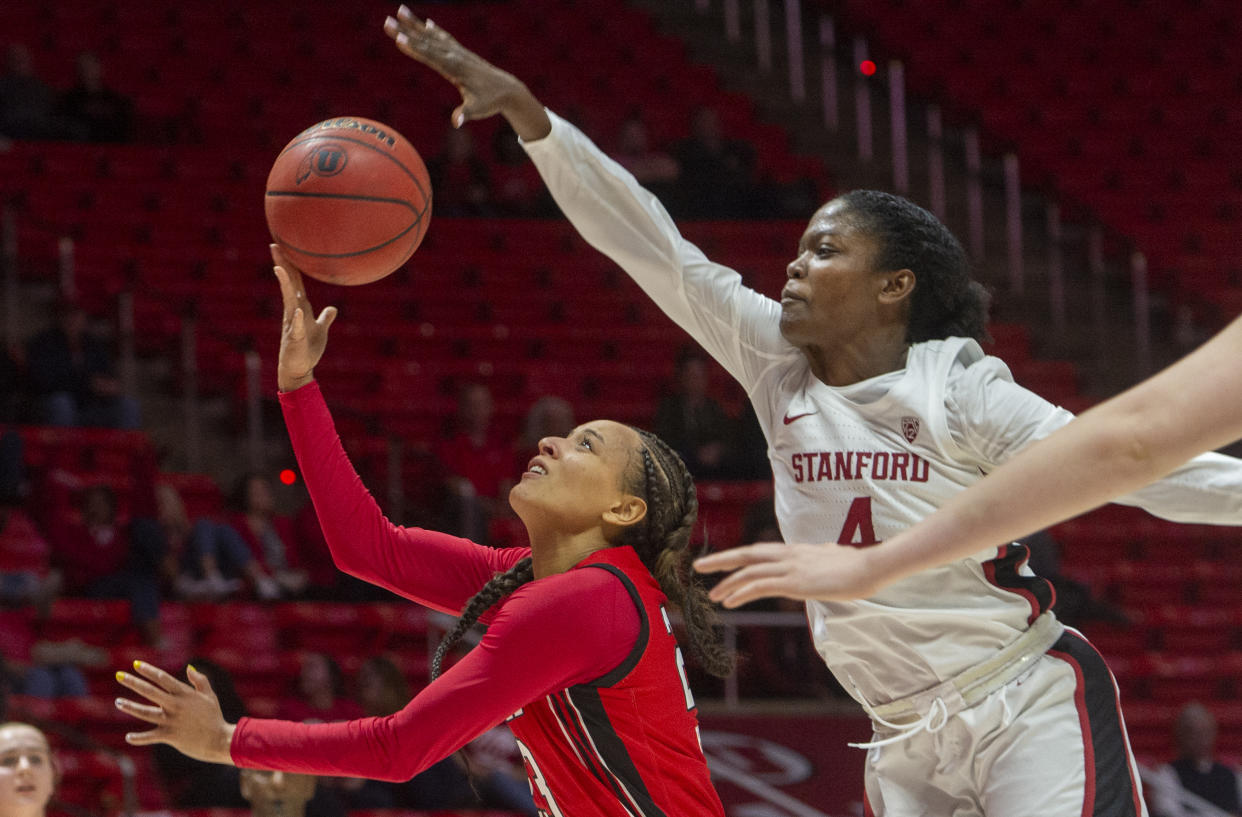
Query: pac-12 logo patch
325	160
910	428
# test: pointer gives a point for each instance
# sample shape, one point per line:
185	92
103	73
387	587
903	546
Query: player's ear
626	511
897	285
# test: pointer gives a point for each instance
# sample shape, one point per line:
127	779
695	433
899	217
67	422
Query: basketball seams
387	155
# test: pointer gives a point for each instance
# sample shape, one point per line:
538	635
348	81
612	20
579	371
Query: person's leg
925	774
1060	746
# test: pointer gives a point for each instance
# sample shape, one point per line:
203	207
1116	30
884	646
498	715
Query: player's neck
553	553
863	359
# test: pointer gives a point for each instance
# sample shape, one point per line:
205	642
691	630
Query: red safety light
867	67
288	476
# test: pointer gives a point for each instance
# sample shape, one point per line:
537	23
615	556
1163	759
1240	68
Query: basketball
348	200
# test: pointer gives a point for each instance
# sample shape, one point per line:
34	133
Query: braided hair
947	301
662	541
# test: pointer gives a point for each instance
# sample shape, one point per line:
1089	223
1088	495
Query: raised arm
431	568
1112	449
736	325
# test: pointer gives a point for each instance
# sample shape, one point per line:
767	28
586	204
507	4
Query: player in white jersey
879	406
1119	446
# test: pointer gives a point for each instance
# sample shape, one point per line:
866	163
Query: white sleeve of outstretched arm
734	324
993	418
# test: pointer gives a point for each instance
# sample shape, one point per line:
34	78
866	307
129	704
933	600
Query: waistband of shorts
974	684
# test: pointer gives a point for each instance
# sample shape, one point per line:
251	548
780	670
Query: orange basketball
348	200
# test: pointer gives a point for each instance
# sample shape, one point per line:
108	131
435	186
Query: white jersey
857	464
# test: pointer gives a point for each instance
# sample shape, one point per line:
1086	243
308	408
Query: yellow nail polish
137	664
120	676
190	667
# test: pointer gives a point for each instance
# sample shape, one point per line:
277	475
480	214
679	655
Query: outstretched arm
522	658
736	325
1112	449
431	568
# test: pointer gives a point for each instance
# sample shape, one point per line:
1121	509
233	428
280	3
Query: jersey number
538	786
858	525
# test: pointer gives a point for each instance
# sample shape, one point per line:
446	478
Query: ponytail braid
662	541
499	586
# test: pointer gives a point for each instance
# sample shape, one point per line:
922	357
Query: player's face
26	774
576	479
831	291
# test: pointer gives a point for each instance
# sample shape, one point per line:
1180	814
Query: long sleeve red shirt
550	634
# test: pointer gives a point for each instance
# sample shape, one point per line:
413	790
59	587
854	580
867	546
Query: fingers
288	295
326	317
151	692
145	738
740	557
753	591
158	678
735	582
144	712
197	679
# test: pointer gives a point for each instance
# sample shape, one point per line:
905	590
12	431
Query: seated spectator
717	174
206	560
46	669
277	794
479	462
498	771
27	103
654	169
92	111
28	773
382	690
692	422
71	372
460	179
517	188
1196	771
320	693
269	535
101	558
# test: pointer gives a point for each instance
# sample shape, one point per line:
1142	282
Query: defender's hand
186	716
827	572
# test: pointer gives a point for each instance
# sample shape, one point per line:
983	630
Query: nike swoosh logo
789	419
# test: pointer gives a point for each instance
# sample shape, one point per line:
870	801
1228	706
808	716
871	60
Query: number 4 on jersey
858	525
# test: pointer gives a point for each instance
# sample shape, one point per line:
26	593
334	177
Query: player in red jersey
579	654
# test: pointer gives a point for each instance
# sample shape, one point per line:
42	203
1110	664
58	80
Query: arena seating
525	305
1123	109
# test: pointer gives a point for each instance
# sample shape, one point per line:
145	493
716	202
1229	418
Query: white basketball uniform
1041	735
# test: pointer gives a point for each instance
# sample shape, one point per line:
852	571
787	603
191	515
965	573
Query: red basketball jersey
627	744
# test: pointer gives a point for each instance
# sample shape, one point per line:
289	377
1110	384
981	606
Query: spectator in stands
269	535
27	771
72	374
654	169
692	422
277	794
717	174
192	783
12	468
517	188
1196	769
92	111
382	689
27	103
478	460
101	558
319	696
460	178
206	560
499	772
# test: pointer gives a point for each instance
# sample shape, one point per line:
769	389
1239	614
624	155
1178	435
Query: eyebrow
824	233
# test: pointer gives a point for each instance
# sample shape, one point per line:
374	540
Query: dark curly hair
947	301
661	540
